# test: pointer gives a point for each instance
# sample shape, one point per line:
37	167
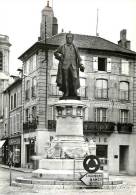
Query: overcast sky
20	20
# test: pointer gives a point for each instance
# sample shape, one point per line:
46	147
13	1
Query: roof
89	42
16	82
83	42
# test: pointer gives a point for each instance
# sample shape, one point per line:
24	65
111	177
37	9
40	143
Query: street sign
91	164
94	180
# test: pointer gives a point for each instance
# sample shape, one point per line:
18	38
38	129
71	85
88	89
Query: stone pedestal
68	148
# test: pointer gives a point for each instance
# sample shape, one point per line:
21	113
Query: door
123	160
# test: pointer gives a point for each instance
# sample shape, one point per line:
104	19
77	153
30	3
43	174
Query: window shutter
18	122
95	63
124	67
108	64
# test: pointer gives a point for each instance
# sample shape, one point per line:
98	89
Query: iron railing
29	126
125	128
98	127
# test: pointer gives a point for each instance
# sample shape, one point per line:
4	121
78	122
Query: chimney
123	39
50	21
55	26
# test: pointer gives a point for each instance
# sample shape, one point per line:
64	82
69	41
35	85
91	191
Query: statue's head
69	38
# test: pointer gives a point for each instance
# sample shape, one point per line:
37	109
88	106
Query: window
18	121
124	67
124	90
101	88
27	115
34	87
1	61
101	114
34	62
14	124
102	64
24	68
82	89
27	90
54	89
11	103
15	100
124	116
19	97
102	153
30	64
34	113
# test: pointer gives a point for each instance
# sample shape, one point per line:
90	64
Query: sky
20	20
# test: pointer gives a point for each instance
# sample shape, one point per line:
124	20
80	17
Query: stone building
13	119
107	87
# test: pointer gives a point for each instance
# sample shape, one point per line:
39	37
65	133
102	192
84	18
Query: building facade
13	120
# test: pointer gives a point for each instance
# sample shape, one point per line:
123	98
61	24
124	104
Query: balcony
51	125
98	127
101	93
29	126
125	128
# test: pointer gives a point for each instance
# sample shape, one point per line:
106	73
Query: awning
1	143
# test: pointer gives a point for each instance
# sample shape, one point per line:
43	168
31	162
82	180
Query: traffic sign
91	164
94	180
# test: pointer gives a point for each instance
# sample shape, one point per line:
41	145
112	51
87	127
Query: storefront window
102	153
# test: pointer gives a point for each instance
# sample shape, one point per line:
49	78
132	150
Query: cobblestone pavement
127	188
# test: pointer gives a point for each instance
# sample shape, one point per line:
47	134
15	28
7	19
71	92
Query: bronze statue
68	69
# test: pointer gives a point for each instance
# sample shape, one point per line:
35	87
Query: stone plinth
69	140
68	149
70	115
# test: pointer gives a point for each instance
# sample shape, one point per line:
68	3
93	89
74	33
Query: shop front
15	148
4	151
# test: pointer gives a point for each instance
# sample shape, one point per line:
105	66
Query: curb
16	169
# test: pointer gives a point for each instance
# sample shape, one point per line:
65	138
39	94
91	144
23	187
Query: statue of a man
68	69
